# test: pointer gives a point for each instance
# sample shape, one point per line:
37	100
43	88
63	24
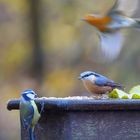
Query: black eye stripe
96	75
87	75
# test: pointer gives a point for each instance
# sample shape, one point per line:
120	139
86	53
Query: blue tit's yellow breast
36	115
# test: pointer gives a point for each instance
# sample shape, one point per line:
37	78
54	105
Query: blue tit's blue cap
29	91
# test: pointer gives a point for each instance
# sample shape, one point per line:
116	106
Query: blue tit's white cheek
31	96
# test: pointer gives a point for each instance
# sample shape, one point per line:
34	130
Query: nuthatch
29	113
109	25
98	84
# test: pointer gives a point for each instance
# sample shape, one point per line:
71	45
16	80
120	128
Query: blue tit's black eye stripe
28	91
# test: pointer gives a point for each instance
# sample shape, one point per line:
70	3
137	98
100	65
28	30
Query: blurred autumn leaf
60	82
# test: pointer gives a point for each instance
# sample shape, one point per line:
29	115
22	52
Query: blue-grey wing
26	114
102	81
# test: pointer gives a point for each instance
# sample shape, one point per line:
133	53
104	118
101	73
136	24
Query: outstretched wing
126	7
111	44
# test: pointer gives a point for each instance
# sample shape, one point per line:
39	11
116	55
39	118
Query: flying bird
98	84
110	25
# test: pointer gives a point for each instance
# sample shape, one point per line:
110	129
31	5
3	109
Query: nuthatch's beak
79	78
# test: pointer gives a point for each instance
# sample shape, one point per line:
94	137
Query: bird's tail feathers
111	44
31	133
117	85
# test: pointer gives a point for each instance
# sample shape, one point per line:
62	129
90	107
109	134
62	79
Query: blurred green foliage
133	93
69	45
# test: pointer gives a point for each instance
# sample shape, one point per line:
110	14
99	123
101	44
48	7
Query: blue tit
29	114
98	84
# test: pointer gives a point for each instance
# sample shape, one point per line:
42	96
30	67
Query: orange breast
96	89
99	22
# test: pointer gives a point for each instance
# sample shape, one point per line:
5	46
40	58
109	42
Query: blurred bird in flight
109	26
98	84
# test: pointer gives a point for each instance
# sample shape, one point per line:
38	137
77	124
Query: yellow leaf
135	96
116	93
135	90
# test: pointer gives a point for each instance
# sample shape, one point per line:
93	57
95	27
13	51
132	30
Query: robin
109	26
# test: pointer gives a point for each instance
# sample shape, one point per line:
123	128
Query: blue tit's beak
35	95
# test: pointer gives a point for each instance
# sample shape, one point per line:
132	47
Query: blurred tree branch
37	54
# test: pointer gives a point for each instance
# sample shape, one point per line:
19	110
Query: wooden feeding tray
83	118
